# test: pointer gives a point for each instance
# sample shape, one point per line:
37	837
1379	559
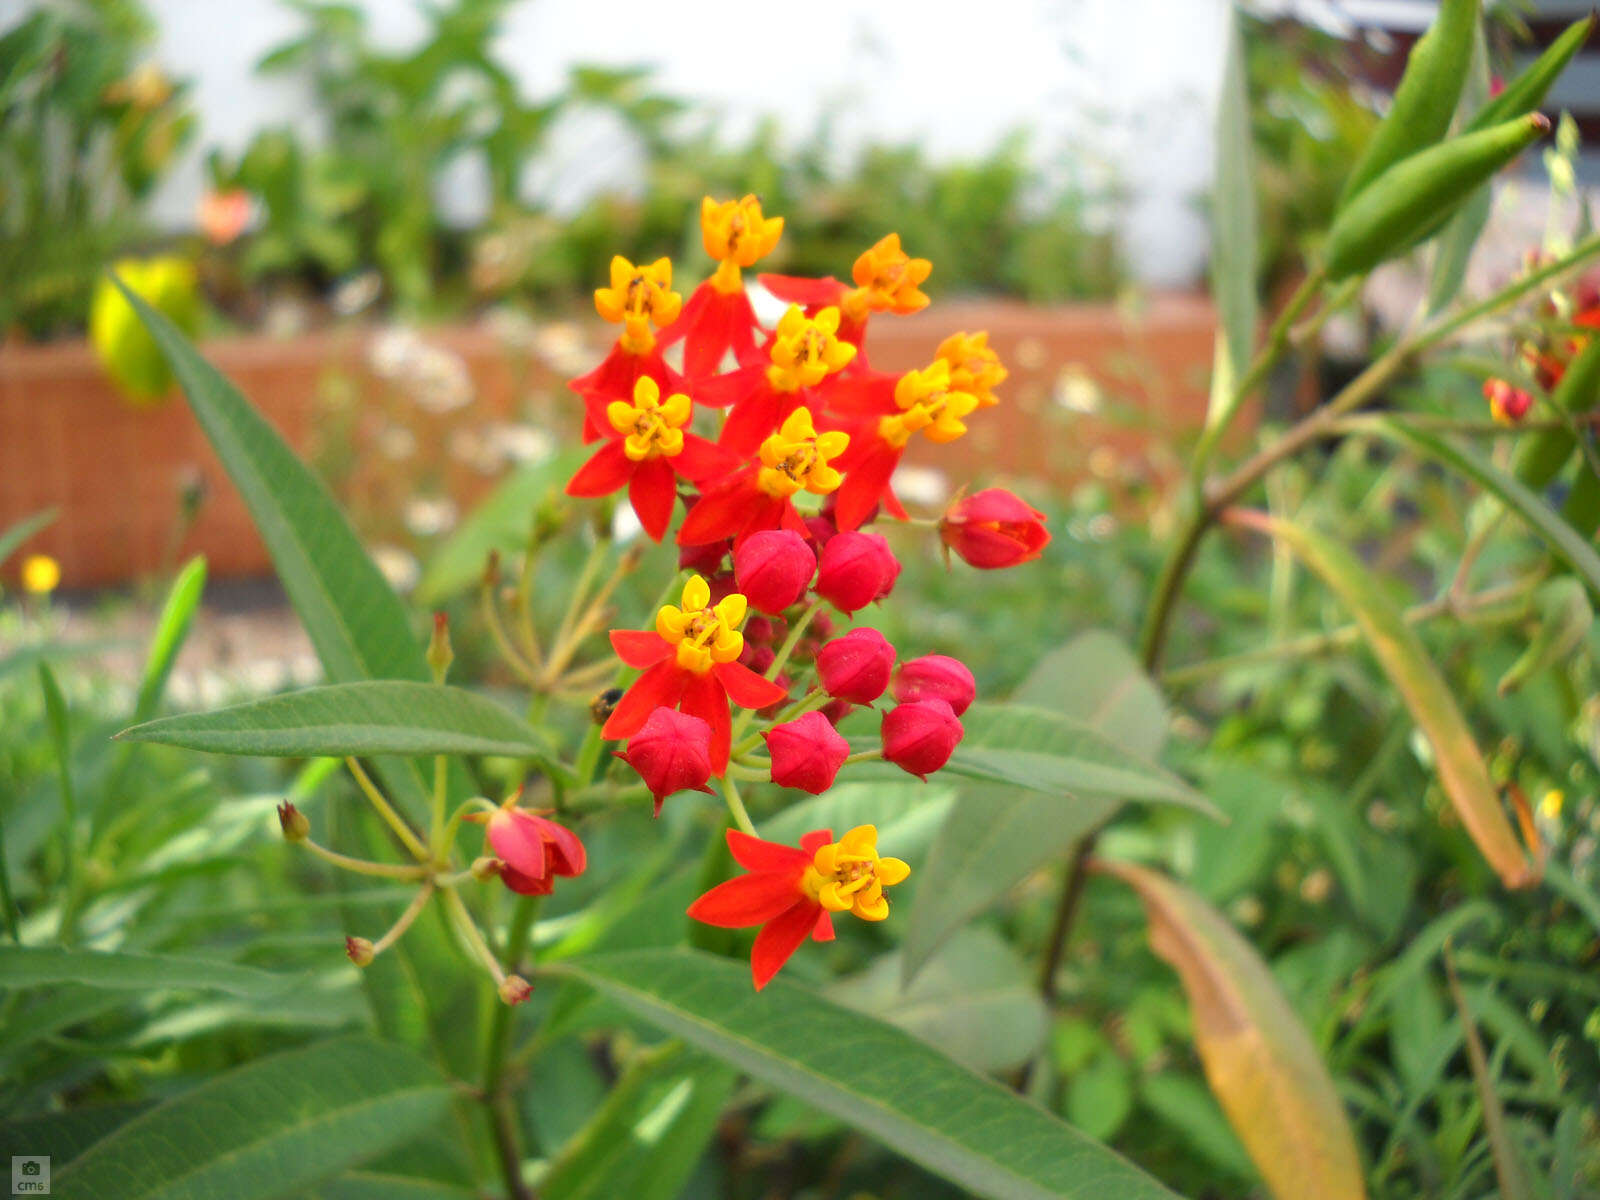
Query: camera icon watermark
30	1174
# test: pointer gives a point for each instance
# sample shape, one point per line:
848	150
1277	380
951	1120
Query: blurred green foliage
88	126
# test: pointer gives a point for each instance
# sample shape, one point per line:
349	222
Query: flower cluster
782	444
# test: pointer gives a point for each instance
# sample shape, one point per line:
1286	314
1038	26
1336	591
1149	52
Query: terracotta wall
115	472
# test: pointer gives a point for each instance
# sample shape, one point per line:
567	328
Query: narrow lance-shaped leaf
1573	550
127	970
342	719
1234	248
996	834
1405	661
942	1116
269	1128
1258	1058
1509	1172
1527	91
24	529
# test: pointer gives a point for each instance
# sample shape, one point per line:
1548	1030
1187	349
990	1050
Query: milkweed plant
765	454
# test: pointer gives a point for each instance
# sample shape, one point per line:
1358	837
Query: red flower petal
565	852
722	390
518	840
747	900
755	854
703	460
640	647
815	840
865	483
527	885
603	474
797	289
653	492
779	938
757	417
747	689
824	930
705	697
723	511
661	686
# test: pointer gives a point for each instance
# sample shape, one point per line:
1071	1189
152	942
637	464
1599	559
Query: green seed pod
1400	206
1582	509
1541	455
1528	90
1425	102
1564	615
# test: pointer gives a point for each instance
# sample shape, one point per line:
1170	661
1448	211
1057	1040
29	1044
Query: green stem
498	1101
736	808
362	866
387	812
441	789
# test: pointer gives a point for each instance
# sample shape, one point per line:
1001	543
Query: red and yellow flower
761	496
638	298
690	663
792	893
718	316
647	448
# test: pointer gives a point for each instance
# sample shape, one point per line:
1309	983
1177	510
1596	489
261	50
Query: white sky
1129	82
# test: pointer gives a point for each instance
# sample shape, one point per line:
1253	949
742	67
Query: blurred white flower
356	293
523	443
921	485
397	566
1076	389
476	449
429	516
562	345
624	525
396	442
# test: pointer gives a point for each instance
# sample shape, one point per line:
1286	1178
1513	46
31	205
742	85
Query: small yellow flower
930	404
887	280
797	457
654	427
41	574
704	634
974	367
806	350
736	234
637	298
1550	804
848	875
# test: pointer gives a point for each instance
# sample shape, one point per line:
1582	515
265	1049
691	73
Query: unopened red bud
993	528
920	737
757	657
360	951
837	710
773	568
856	569
704	560
856	667
514	989
296	827
937	676
672	753
763	630
777	706
806	753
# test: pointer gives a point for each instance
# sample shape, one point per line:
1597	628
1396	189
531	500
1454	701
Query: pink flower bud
782	680
856	667
757	656
937	676
360	951
806	753
514	989
672	753
762	630
857	568
773	568
919	737
294	823
836	711
994	528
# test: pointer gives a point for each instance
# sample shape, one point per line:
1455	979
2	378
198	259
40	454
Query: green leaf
1258	1058
269	1128
355	621
1044	752
360	719
126	970
1564	542
974	1000
503	519
171	630
1234	241
17	534
940	1115
1095	679
995	836
1399	651
1509	1171
66	1135
645	1140
379	1185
